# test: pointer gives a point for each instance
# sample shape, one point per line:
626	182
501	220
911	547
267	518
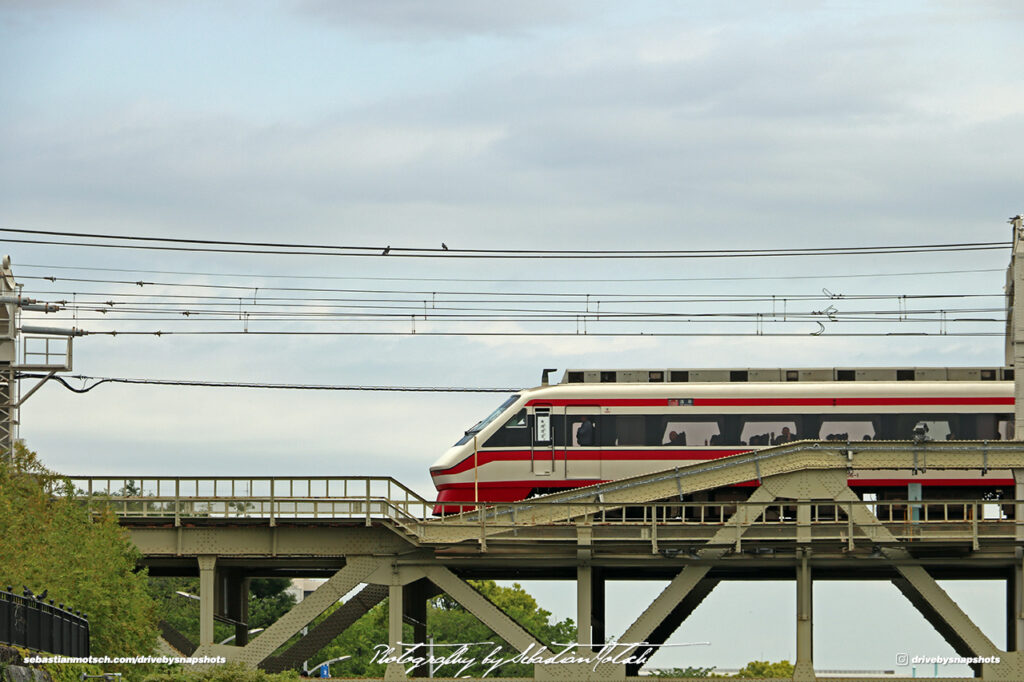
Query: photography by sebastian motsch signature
417	654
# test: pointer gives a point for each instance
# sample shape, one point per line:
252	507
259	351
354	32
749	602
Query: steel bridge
801	523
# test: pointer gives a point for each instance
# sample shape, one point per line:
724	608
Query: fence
34	624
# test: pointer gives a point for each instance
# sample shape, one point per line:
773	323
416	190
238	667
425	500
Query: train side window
585	430
940	427
676	432
1005	430
518	421
629	429
847	429
767	432
513	433
979	427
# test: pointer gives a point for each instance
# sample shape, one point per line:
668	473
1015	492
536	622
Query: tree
766	669
85	561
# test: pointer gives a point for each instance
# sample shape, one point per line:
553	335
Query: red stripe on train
485	457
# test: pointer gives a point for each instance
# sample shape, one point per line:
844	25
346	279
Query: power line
280	248
445	312
253	292
516	280
385	308
578	335
97	381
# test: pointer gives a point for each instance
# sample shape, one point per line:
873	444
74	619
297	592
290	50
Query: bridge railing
311	487
254	497
906	519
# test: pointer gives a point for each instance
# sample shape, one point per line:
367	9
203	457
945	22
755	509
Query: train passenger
585	434
785	437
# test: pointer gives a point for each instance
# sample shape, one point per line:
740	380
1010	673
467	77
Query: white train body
539	439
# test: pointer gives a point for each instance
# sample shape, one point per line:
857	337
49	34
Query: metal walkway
275	500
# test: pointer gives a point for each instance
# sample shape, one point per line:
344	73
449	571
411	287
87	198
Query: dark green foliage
260	588
85	562
782	669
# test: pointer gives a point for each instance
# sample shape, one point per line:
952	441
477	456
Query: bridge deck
802	522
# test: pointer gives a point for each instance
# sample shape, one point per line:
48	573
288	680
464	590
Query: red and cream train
601	425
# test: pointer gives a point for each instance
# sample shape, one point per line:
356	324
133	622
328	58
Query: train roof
784	374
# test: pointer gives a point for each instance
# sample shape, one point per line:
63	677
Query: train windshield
484	422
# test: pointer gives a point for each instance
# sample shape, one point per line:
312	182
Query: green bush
85	562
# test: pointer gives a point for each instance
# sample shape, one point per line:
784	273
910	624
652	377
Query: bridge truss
802	523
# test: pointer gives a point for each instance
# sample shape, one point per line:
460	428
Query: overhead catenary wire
282	248
391	308
273	304
390	311
578	335
449	312
509	281
473	311
252	291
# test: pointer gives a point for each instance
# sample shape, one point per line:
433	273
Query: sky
577	126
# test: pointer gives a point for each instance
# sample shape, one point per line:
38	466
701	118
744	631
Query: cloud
678	124
434	20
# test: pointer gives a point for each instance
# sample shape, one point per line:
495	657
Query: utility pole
8	358
48	352
1015	322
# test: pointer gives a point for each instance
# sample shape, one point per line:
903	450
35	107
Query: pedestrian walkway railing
31	622
270	498
274	500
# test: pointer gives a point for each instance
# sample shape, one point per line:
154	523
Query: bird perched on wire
386	251
444	246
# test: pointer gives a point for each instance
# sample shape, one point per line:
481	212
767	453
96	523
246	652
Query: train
601	425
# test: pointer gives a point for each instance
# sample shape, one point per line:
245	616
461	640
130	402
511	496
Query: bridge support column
207	583
415	598
235	595
414	601
597	634
1015	583
584	608
395	671
1015	606
804	669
